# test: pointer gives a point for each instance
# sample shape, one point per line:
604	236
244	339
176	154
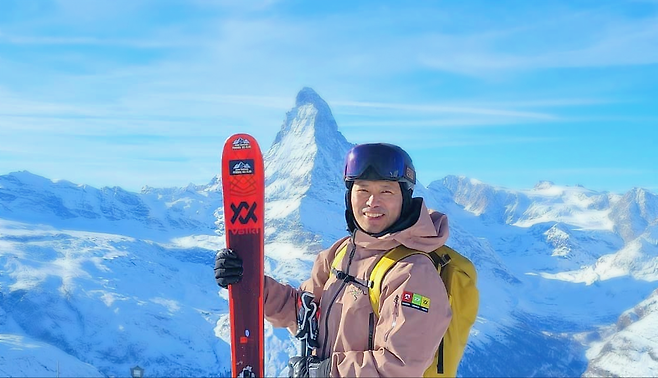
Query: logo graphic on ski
243	186
242	167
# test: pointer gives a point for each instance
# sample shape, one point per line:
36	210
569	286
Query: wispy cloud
432	123
434	140
551	102
489	141
444	109
249	100
596	39
152	114
91	41
603	171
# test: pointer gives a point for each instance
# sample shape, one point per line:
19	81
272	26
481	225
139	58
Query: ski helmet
379	161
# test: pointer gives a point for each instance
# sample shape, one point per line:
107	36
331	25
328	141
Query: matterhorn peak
308	96
304	164
308	139
310	119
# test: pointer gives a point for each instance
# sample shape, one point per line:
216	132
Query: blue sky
133	93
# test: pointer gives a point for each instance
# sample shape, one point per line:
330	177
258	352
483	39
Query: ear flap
349	216
406	200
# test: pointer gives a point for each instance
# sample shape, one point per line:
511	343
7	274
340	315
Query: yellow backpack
460	279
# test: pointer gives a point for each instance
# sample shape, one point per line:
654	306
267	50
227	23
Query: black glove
309	367
228	268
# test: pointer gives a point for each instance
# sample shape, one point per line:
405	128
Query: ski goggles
387	162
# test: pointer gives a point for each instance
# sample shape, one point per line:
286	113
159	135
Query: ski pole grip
305	312
307	300
307	322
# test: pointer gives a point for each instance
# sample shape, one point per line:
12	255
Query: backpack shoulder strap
340	254
382	267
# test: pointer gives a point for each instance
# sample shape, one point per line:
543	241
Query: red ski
243	186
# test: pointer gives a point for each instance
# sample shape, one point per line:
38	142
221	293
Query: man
381	215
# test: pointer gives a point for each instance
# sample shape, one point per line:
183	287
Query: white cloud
594	40
446	109
597	171
90	41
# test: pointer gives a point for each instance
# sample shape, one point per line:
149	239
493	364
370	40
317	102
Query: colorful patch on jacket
415	301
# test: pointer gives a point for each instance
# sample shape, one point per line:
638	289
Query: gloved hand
309	367
228	267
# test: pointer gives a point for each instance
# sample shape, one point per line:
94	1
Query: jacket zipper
371	331
331	304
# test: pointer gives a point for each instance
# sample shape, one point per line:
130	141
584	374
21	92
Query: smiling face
376	205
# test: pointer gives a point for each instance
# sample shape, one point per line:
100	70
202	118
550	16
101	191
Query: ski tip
241	141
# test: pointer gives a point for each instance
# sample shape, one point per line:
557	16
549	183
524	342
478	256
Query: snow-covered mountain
546	202
303	170
151	213
100	280
565	247
634	212
628	348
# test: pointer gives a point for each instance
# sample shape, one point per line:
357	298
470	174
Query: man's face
376	205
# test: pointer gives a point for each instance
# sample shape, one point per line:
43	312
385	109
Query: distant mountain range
100	280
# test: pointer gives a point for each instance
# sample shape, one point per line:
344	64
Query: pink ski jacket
403	340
